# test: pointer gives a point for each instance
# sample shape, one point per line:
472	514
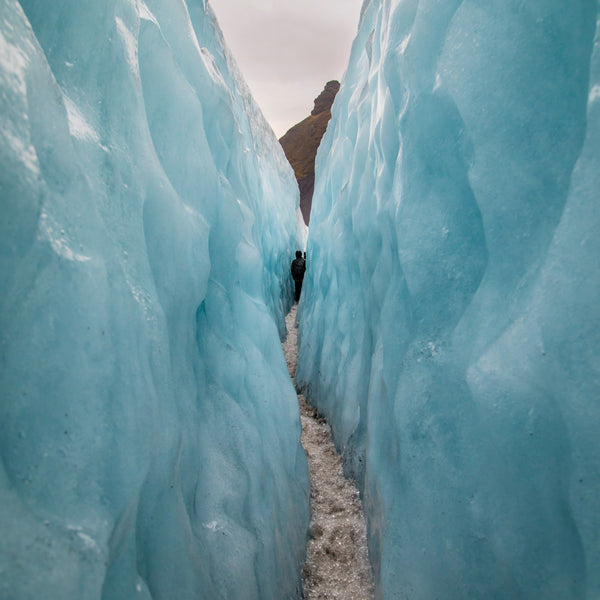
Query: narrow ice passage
337	562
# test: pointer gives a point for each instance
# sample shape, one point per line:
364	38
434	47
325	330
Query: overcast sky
288	50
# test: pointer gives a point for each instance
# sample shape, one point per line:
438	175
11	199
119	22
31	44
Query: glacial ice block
450	324
149	433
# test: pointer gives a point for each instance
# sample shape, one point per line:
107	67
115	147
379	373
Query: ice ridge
149	433
449	326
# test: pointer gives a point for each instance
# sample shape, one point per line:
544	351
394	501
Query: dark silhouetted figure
298	268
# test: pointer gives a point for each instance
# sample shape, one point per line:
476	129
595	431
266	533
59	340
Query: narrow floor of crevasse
337	562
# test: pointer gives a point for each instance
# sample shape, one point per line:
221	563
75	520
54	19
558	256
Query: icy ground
337	562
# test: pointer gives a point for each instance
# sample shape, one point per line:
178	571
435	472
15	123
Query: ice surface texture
149	433
450	319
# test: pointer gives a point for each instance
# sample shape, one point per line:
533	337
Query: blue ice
149	432
450	323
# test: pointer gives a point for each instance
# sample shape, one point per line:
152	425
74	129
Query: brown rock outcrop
301	142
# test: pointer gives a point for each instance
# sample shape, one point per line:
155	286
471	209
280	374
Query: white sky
288	50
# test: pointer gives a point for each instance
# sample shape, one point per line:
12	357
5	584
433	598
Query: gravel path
337	564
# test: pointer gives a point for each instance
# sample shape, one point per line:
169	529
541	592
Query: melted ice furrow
337	562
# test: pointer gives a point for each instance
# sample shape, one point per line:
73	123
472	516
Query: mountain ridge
301	142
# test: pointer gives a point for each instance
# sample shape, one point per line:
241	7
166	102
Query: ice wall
149	433
450	323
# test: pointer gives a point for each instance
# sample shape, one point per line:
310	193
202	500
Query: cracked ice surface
149	433
337	563
450	323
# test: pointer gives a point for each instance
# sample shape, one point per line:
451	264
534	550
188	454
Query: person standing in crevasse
298	268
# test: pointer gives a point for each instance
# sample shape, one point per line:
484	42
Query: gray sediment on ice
337	563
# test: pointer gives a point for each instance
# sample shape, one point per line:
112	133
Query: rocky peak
301	143
324	101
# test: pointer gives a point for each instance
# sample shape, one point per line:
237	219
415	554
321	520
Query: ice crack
337	562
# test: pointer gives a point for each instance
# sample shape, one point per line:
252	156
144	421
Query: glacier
149	431
449	319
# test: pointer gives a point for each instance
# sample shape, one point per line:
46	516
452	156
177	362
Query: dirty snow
337	563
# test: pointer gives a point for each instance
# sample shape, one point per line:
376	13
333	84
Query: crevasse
149	433
449	326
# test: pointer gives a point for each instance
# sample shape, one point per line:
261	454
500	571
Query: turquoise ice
450	323
149	432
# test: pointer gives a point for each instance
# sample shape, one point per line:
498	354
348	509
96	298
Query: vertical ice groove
149	434
129	41
451	296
